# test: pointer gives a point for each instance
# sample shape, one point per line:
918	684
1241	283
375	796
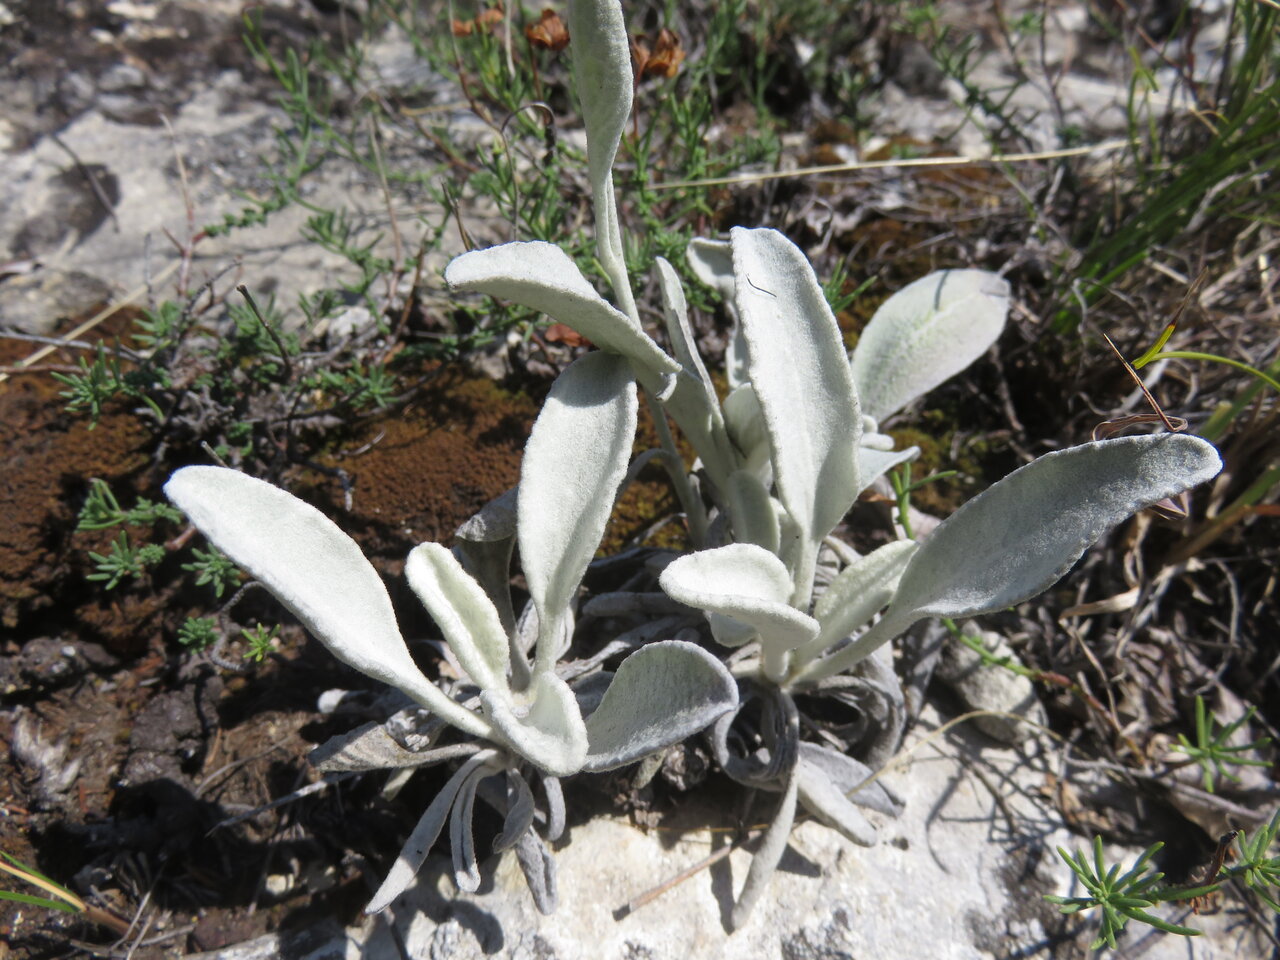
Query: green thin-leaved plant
1213	749
1131	895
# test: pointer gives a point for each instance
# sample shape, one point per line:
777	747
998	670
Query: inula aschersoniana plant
779	464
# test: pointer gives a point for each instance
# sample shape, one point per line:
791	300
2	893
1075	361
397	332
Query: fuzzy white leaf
800	374
463	612
574	461
729	632
825	801
743	582
860	591
850	777
693	404
415	849
745	424
462	844
485	544
315	570
520	811
663	693
874	464
712	263
772	845
924	334
371	747
539	871
494	522
555	807
1019	536
1024	532
676	313
551	735
603	77
541	276
755	518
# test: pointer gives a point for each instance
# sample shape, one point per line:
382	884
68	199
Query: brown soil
166	747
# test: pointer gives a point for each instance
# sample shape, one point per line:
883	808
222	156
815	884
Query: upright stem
806	568
881	632
610	250
690	502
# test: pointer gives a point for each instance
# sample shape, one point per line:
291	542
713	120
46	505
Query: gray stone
992	688
957	877
36	303
120	77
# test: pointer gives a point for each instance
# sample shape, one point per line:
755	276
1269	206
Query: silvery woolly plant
520	716
779	463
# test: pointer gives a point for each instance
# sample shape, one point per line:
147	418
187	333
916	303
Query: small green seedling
215	568
1260	871
260	640
102	510
1123	897
1128	897
1213	749
198	633
124	560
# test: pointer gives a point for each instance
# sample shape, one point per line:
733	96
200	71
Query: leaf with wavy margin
573	464
662	694
926	333
1020	536
316	571
463	612
541	276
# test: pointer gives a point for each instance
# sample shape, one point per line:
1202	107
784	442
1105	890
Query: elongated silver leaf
1019	536
767	855
746	583
745	424
573	464
550	734
801	377
1023	533
693	404
860	591
539	871
541	276
316	571
754	518
603	77
520	811
424	835
825	801
663	693
850	776
555	807
486	543
712	263
463	612
926	333
371	747
676	313
462	844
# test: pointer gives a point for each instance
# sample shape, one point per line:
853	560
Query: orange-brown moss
431	466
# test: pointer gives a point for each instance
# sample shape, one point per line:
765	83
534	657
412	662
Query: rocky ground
126	127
